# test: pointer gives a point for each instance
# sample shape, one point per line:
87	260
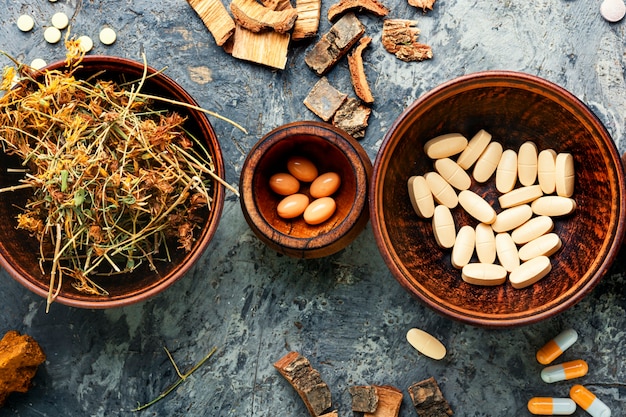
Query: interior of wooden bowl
514	108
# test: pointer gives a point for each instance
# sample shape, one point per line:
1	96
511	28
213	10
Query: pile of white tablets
516	242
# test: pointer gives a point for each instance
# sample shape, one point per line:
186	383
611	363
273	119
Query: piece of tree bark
423	4
399	37
256	17
331	414
324	100
357	72
308	20
364	398
20	355
307	382
372	6
215	17
267	48
352	117
389	402
428	399
277	5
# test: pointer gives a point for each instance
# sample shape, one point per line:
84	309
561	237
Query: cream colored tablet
527	163
553	206
485	243
38	63
564	174
453	173
530	272
463	248
483	274
512	218
85	43
475	147
421	197
426	344
108	36
60	20
507	251
52	34
444	146
487	162
443	193
477	207
444	228
25	23
545	245
519	196
532	229
546	170
506	172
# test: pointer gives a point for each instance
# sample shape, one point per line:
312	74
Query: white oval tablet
519	196
38	63
25	23
443	193
421	197
426	344
475	147
553	206
530	272
485	243
545	245
463	248
564	174
453	173
60	20
527	163
85	43
444	228
108	36
507	251
506	172
483	274
52	34
477	207
512	218
546	170
444	146
532	229
487	162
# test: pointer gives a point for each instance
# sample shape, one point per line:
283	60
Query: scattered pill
512	218
443	193
463	248
444	228
284	184
564	371
421	197
60	20
519	196
589	402
613	10
487	162
108	36
52	34
483	274
325	185
553	206
475	147
546	406
320	210
426	344
530	272
527	163
453	173
85	43
545	245
555	347
546	170
564	174
506	172
25	23
38	63
506	250
446	145
302	168
477	207
485	243
532	229
292	206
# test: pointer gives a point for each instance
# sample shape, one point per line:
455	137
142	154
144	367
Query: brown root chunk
372	6
324	100
216	18
400	38
364	398
352	117
423	4
308	19
20	355
428	399
357	72
389	402
256	17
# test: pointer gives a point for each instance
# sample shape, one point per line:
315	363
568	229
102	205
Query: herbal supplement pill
108	36
506	172
527	163
453	173
613	10
441	190
85	43
589	402
545	245
25	23
506	250
546	170
555	347
532	229
463	248
530	272
302	168
38	63
52	34
446	145
320	210
60	20
564	371
421	198
553	206
474	149
284	184
512	218
487	162
483	274
546	406
292	206
444	228
325	185
426	344
485	243
564	174
477	207
519	196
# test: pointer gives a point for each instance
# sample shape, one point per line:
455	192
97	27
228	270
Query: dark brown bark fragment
399	37
352	117
428	399
343	6
324	100
364	398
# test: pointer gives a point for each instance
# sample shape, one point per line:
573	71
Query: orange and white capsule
589	402
564	371
555	347
546	406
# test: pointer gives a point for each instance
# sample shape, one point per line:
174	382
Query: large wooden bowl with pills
280	187
513	109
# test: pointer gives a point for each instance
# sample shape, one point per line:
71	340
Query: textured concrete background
346	313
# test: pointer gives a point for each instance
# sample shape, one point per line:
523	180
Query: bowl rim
476	80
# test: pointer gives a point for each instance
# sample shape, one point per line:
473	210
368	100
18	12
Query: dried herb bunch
112	175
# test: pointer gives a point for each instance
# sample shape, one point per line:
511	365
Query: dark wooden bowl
513	107
330	149
19	253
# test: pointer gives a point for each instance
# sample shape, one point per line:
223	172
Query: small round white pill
60	20
52	35
25	23
85	43
38	63
108	36
613	10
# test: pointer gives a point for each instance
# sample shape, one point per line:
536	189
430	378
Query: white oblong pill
546	170
564	174
107	36
512	218
444	146
532	229
475	147
507	251
463	248
443	193
530	272
487	162
519	196
483	274
25	23
527	163
52	34
60	20
506	172
553	206
421	197
485	243
477	207
426	344
453	173
545	245
444	228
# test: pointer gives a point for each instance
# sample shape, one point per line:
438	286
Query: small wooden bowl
330	149
513	107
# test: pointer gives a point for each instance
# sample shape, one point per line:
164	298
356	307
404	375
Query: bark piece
428	399
372	6
352	117
307	382
277	4
308	19
256	17
331	414
364	398
423	4
268	48
324	100
400	38
215	17
334	44
20	355
357	72
389	402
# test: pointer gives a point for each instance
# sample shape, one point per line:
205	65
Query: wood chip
307	382
364	398
352	117
20	355
267	48
331	414
334	44
324	100
357	72
256	17
423	4
400	38
277	4
216	18
308	21
428	399
389	402
372	6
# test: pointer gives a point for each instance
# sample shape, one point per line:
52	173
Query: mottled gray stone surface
345	313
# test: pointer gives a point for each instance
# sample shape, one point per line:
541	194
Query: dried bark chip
399	37
20	355
277	4
324	100
389	402
267	48
352	117
357	72
428	399
308	19
331	414
372	6
256	17
216	18
423	4
364	398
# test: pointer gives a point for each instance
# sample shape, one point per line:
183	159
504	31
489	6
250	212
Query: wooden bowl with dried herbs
110	181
